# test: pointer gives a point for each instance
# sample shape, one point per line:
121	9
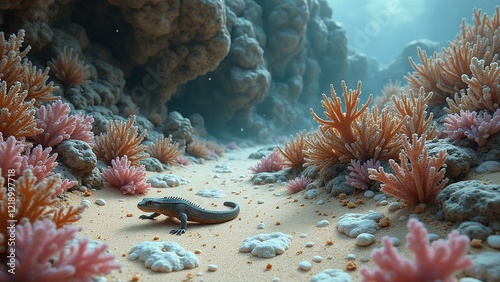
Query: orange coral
35	200
442	73
320	151
68	69
17	116
294	151
198	149
483	92
15	67
165	150
418	178
357	133
414	106
122	139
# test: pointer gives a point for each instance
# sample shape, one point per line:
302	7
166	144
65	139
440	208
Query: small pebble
82	188
100	202
270	189
322	223
311	194
309	244
86	203
261	225
369	194
277	194
256	187
379	197
414	216
212	267
395	241
270	185
199	273
121	200
433	237
394	206
317	259
305	265
303	235
365	239
493	241
216	176
403	218
383	203
276	279
350	256
320	202
364	259
260	201
329	257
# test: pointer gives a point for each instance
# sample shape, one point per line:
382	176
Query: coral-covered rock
459	160
470	200
179	127
77	155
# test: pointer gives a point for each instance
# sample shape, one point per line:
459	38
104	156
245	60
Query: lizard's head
147	205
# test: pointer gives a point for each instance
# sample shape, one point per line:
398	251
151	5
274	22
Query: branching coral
483	91
355	133
418	178
122	139
129	179
414	106
320	152
469	124
45	253
165	150
438	262
443	73
56	124
68	69
294	151
14	67
17	117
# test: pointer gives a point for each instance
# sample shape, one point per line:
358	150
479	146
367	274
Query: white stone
212	267
310	244
100	201
305	265
493	241
365	239
86	203
369	194
394	206
322	223
317	259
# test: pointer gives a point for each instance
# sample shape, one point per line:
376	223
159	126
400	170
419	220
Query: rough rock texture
249	67
486	267
460	159
470	200
77	155
353	224
475	230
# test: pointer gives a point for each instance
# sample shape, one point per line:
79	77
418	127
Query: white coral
266	245
163	256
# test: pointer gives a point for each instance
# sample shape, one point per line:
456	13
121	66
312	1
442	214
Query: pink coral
10	152
359	175
130	179
83	129
469	124
59	125
182	160
438	262
273	162
45	253
298	184
39	161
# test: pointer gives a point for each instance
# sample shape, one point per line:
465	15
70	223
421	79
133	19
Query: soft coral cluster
58	125
471	125
45	253
273	162
438	262
130	179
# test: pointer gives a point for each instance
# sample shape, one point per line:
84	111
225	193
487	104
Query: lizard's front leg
151	216
183	217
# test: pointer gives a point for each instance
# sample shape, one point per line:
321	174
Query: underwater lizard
185	211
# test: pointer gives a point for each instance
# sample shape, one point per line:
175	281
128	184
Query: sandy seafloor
219	243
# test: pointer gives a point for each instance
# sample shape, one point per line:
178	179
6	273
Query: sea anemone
298	184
